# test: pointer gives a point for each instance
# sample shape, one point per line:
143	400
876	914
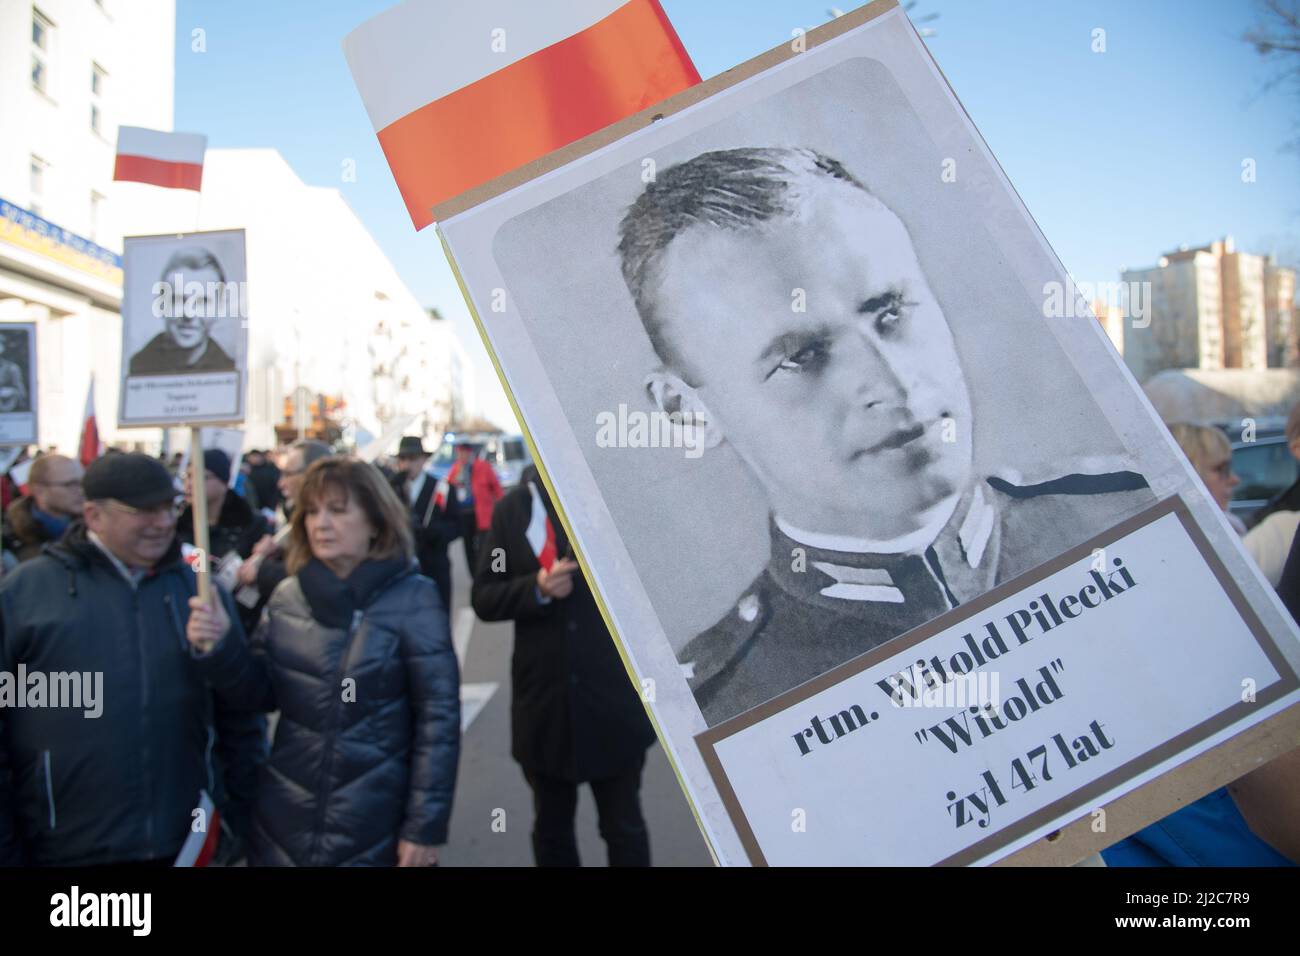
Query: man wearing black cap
112	770
233	526
433	514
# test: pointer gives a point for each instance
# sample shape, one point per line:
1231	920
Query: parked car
1266	468
507	454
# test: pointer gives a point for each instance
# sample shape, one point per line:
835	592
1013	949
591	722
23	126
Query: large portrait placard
902	560
184	329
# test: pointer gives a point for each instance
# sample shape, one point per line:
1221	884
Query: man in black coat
115	778
434	514
575	716
264	476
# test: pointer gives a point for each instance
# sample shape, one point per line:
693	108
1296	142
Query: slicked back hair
724	189
191	259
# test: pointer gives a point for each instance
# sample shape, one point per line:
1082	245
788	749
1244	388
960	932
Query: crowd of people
330	609
313	698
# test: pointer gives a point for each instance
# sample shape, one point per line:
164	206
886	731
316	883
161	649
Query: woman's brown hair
357	481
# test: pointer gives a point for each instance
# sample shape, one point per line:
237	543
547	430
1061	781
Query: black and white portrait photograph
18	394
875	426
184	327
185	343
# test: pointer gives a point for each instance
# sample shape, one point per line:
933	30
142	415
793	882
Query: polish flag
462	91
205	833
90	447
173	160
540	532
20	472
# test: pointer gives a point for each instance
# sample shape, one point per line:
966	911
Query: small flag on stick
89	447
171	160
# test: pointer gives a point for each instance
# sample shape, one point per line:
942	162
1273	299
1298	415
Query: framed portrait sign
184	329
899	555
18	392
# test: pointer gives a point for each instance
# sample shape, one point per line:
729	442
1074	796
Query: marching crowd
329	621
313	700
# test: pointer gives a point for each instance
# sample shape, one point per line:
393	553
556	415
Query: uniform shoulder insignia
1075	484
1042	520
711	651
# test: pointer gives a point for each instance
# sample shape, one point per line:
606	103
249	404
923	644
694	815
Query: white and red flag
205	833
172	160
463	91
89	447
540	532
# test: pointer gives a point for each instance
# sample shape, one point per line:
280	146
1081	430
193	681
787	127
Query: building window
41	27
96	214
42	41
37	181
98	80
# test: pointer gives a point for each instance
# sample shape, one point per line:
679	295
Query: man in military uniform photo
784	299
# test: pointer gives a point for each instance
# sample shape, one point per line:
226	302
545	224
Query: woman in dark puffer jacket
354	652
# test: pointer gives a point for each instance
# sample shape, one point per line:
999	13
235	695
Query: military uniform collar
926	566
845	544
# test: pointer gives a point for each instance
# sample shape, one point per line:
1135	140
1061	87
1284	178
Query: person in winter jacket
477	491
54	502
575	715
233	526
114	774
355	653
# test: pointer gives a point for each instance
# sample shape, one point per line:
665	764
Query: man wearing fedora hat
115	777
433	511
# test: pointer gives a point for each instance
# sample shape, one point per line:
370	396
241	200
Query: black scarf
334	600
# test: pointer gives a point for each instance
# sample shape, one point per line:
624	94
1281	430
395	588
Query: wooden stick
199	509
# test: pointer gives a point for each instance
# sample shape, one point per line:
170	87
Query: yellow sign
26	230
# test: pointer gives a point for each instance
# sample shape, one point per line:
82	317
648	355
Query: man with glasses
114	779
54	499
264	570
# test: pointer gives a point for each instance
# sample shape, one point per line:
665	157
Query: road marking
473	698
461	633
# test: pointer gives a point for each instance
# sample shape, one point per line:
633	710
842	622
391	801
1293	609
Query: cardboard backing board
1148	802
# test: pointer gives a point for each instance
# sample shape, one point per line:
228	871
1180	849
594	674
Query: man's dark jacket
265	479
575	713
434	525
238	527
29	536
77	791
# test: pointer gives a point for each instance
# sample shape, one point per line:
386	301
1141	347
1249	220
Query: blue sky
1119	155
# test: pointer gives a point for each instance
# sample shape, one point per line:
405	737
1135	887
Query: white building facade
70	72
327	311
